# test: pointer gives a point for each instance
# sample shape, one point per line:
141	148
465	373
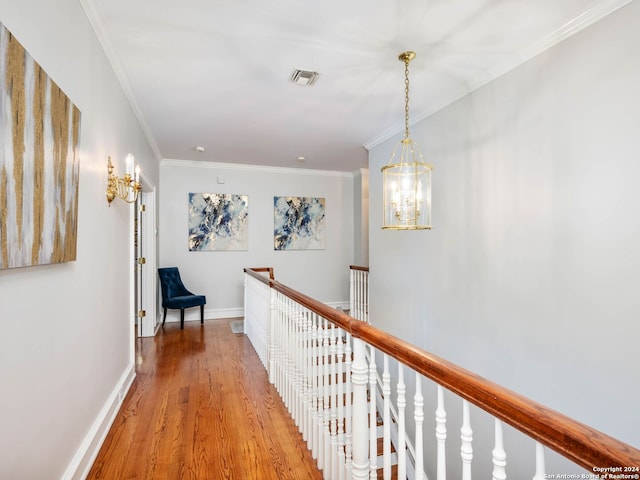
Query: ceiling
215	73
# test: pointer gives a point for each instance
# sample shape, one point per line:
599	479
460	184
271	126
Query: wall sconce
126	188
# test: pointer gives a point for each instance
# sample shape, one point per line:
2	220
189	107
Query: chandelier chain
406	97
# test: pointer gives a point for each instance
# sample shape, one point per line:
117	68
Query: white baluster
386	419
273	321
314	387
441	436
306	376
466	437
360	464
277	339
296	336
348	427
358	295
323	414
287	355
362	292
418	416
300	384
341	407
499	455
334	402
365	307
540	467
352	293
373	423
402	442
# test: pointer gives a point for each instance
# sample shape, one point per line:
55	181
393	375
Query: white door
145	276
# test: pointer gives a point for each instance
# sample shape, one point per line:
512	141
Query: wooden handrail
356	267
263	270
580	443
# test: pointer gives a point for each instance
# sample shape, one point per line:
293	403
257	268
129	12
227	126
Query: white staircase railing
359	292
317	359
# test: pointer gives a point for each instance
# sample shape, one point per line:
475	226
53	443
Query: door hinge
143	208
142	260
142	313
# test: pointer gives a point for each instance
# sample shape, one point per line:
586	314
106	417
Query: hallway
201	407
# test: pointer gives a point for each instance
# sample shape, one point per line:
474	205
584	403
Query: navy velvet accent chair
176	296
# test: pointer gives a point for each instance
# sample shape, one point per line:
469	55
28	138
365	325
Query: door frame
149	276
149	234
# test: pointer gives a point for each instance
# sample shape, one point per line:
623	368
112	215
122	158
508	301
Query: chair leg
165	316
182	319
201	314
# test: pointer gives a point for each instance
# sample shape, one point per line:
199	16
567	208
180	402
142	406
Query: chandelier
406	179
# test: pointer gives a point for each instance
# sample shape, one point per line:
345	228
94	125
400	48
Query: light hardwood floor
201	407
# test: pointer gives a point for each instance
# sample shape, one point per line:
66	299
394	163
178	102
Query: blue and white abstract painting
218	221
298	223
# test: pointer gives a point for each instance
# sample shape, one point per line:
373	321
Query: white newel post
359	377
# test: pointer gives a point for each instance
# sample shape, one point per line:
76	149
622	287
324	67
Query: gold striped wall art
39	162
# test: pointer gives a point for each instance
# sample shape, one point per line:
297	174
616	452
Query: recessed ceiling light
304	78
301	159
199	149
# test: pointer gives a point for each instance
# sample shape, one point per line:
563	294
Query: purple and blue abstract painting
298	223
218	221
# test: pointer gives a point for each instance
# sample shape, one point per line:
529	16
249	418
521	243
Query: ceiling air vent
303	77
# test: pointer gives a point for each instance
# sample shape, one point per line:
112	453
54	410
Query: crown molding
91	11
253	168
589	17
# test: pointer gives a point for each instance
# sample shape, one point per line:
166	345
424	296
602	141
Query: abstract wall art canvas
218	221
39	162
298	223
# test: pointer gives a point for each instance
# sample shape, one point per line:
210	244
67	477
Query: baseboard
193	314
86	454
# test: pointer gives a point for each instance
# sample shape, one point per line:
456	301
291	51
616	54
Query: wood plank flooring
201	407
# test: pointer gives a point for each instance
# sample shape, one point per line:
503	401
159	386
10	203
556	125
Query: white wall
361	218
66	341
531	275
322	274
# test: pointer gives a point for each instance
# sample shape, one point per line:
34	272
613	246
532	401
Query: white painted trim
582	21
150	282
193	314
88	451
93	15
591	16
254	168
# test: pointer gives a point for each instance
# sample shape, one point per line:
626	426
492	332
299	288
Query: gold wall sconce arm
126	188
